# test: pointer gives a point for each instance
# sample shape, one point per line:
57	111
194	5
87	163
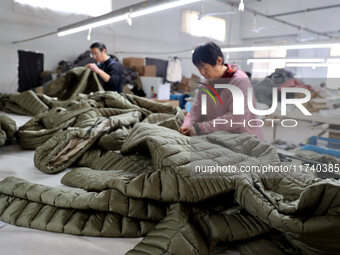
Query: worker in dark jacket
108	70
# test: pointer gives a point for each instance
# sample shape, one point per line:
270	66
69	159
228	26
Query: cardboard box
313	94
336	133
139	69
150	71
131	62
193	81
320	104
317	104
186	84
185	80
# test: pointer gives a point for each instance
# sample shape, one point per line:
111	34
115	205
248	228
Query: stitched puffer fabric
29	103
8	129
150	189
134	175
84	110
77	80
25	103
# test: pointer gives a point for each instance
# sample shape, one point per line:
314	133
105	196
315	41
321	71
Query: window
335	52
333	76
88	7
263	69
281	53
206	26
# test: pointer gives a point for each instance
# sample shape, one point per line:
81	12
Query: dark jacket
113	69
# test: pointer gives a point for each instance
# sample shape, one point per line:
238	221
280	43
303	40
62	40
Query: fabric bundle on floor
134	176
25	103
8	129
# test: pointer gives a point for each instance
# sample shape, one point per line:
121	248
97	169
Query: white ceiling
264	28
319	21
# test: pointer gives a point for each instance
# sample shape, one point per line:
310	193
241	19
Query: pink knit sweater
205	123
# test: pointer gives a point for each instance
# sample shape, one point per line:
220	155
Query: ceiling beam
235	5
305	10
268	37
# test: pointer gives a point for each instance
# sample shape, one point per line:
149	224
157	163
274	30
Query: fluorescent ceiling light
311	46
280	47
259	70
305	60
285	60
161	7
330	62
255	48
75	6
93	25
313	65
121	17
333	61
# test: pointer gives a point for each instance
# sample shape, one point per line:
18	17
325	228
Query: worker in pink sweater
209	60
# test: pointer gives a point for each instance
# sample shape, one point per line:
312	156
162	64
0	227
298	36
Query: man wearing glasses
108	70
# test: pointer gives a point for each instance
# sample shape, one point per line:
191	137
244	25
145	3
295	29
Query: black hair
207	54
248	74
101	46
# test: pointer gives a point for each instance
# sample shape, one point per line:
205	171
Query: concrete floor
298	134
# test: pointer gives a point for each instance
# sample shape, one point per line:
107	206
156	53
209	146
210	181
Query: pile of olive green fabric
133	175
26	103
77	80
86	112
7	129
149	190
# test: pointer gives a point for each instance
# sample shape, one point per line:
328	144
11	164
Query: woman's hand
189	131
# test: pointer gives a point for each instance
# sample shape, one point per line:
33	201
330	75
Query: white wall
158	35
18	24
159	32
266	31
322	20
